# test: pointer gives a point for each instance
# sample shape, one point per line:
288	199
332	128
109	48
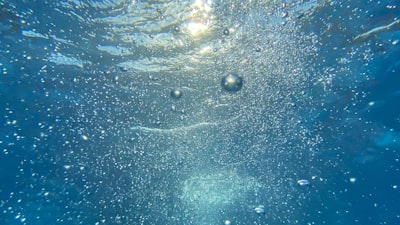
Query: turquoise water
91	134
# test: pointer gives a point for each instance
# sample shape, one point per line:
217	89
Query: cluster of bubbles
222	147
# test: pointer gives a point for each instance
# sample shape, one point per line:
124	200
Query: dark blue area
386	91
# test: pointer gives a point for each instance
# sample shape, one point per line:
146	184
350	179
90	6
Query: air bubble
176	93
303	183
232	83
259	209
226	31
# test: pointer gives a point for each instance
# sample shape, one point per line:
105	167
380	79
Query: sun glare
200	17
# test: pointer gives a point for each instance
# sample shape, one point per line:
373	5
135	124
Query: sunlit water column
217	151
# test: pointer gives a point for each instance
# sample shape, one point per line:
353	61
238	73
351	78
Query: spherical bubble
232	83
176	93
226	31
227	222
177	29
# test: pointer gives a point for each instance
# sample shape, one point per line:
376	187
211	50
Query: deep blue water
91	135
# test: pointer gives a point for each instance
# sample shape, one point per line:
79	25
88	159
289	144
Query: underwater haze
199	112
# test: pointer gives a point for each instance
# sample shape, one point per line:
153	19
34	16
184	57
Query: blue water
91	135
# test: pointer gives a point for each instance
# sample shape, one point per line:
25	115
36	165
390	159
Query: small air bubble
67	167
177	29
84	137
303	182
226	31
259	209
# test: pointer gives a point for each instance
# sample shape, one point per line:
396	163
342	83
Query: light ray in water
395	25
176	129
